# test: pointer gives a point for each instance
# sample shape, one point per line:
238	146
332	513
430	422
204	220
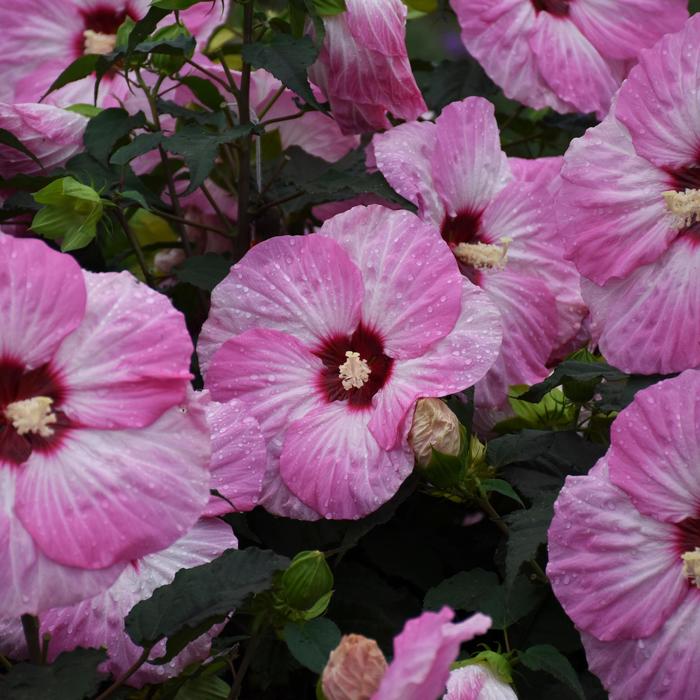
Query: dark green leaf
142	143
197	595
311	642
135	196
502	487
547	658
72	676
203	271
520	447
79	69
527	531
572	370
614	396
177	4
199	147
107	128
203	688
182	45
288	59
198	116
205	91
144	27
7	138
329	8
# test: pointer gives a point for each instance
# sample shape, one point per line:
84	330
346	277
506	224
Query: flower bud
354	670
306	581
434	426
169	63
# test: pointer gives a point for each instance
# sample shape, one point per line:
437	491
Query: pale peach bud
354	670
434	426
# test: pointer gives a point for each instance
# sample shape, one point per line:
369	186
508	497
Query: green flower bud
169	63
307	580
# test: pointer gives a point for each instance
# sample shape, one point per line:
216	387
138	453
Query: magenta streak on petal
370	346
558	8
17	384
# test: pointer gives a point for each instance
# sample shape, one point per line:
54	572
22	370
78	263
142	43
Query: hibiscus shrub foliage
347	349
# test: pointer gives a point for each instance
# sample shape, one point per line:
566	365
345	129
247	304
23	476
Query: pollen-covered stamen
32	416
483	256
691	566
354	371
685	206
98	43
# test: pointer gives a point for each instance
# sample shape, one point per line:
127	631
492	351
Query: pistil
685	206
98	43
483	256
354	371
691	566
32	416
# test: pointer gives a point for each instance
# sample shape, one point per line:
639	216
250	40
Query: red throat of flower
558	8
100	25
30	415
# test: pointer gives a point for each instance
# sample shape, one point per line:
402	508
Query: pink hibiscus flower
363	68
629	205
41	39
477	682
53	135
423	653
99	621
624	548
497	216
94	423
330	338
570	55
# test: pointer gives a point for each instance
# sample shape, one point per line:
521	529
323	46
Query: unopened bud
354	670
307	579
434	426
169	63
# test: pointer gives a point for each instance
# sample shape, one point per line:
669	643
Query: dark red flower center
18	384
102	19
369	347
688	535
558	8
682	179
465	227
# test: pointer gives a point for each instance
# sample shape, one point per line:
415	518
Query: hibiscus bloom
102	457
570	55
423	653
497	216
41	39
363	68
99	621
330	338
477	682
624	548
629	207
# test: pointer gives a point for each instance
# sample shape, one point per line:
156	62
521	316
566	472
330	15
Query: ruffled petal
129	360
423	653
572	67
403	156
660	667
109	496
412	283
529	318
99	622
331	461
616	572
468	164
30	582
33	278
620	30
655	449
659	101
453	364
496	33
238	457
612	214
648	323
306	286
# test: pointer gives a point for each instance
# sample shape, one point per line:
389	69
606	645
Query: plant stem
222	217
189	222
30	626
243	668
288	118
135	245
271	103
119	682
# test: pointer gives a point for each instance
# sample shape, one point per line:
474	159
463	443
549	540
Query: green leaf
107	128
329	8
288	59
72	676
135	196
177	4
547	658
521	447
71	213
422	5
310	643
502	487
199	147
7	138
203	271
200	595
85	109
527	531
204	90
553	411
145	27
203	688
572	370
142	143
79	69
